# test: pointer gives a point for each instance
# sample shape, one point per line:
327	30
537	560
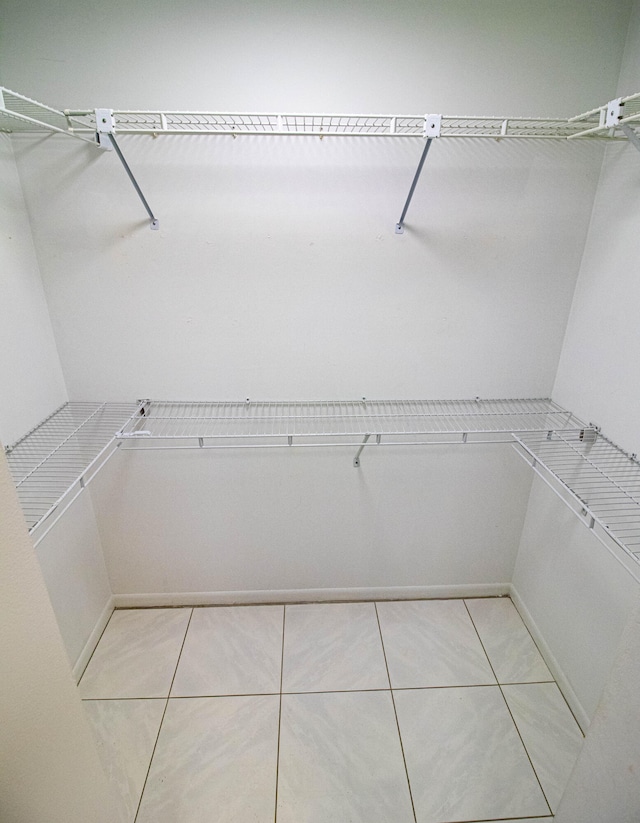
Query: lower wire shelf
596	479
53	463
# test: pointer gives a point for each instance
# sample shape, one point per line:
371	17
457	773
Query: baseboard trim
89	647
128	601
570	696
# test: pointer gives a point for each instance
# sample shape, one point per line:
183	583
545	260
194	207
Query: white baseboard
127	601
89	647
554	667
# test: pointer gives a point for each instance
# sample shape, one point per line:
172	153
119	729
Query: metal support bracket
633	136
356	459
105	137
432	126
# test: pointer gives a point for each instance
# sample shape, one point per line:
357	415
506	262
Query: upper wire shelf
325	125
23	114
607	119
55	461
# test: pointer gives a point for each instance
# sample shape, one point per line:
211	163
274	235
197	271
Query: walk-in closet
319	483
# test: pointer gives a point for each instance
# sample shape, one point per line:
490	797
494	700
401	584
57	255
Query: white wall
49	767
602	331
576	597
459	56
72	564
597	378
31	381
277	273
597	374
575	592
31	387
286	524
604	784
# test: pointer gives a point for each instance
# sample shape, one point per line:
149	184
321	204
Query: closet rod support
631	134
155	225
356	459
425	151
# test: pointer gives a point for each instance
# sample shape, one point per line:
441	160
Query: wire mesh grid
150	122
22	114
255	419
57	457
507	127
131	122
602	478
17	107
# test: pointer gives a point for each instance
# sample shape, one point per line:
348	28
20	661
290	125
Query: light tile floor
426	711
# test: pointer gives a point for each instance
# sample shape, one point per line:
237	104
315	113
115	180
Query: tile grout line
275	810
166	705
513	720
316	691
393	703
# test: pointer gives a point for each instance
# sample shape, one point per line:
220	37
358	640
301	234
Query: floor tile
341	760
136	655
464	756
126	732
333	646
215	760
549	731
513	654
432	643
231	650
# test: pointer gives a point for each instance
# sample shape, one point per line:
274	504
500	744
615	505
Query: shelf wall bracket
432	125
106	139
356	459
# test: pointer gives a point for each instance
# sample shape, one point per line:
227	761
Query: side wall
31	387
49	767
604	783
31	380
575	592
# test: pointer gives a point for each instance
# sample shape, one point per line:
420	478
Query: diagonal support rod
631	134
154	222
425	151
356	459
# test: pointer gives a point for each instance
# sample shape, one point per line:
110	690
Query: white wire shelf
325	125
595	478
54	462
169	424
608	119
23	114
